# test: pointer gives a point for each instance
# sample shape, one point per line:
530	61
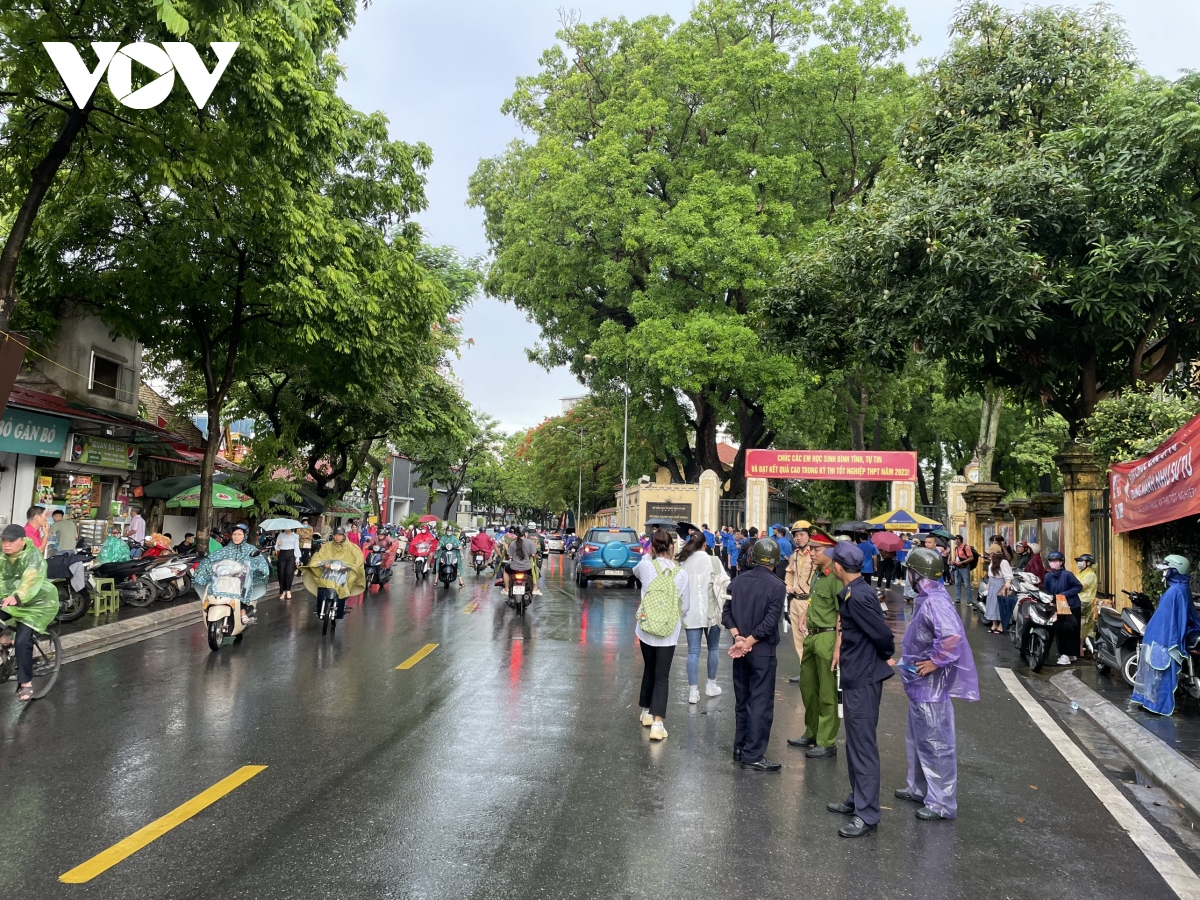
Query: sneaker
646	718
658	732
712	689
694	694
1063	661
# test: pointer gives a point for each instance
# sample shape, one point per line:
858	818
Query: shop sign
680	512
32	433
1161	487
96	451
833	465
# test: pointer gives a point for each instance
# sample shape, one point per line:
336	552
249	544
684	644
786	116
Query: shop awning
1158	488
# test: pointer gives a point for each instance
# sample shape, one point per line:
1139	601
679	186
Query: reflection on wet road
438	745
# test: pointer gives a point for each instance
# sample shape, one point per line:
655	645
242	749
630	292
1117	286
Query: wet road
508	763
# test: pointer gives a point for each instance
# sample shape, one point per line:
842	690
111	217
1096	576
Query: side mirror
256	553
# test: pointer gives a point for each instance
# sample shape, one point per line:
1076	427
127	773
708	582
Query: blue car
608	554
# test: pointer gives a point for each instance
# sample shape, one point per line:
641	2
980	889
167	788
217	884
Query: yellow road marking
417	657
104	861
471	607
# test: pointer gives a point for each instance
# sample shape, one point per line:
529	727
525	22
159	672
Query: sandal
25	693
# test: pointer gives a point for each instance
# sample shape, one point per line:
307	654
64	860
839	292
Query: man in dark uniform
864	646
752	615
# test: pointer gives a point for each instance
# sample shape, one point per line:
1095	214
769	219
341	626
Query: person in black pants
659	650
752	615
864	647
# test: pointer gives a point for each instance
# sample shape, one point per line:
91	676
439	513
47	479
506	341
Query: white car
555	542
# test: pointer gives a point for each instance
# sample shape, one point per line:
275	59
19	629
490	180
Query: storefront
26	440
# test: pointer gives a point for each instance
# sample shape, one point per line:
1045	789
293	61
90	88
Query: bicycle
47	659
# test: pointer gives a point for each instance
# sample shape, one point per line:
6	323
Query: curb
1172	771
83	644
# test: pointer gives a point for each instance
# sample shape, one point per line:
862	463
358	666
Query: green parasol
340	509
222	498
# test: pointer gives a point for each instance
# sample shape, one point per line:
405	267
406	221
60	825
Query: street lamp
579	499
587	357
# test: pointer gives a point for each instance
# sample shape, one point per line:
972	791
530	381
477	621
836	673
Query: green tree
446	457
669	171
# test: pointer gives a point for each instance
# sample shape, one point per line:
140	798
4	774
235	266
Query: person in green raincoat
450	541
114	548
340	550
29	600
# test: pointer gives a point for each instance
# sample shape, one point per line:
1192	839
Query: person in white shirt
136	530
657	652
287	545
707	584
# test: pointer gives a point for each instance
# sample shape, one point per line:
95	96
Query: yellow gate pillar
1083	487
756	504
979	500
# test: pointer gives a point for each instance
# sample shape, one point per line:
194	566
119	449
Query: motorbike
172	578
1117	640
337	572
1032	628
222	600
73	604
402	550
374	569
448	567
478	561
421	566
132	579
518	591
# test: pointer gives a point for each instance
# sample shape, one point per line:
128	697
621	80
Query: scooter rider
337	549
450	541
423	544
237	549
1060	582
482	543
520	556
1164	644
29	602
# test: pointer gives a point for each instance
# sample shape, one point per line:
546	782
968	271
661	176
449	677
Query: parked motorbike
518	591
131	578
1033	625
448	567
478	562
72	603
1117	640
172	578
222	600
375	571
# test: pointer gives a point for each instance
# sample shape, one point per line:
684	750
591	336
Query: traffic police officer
751	615
864	646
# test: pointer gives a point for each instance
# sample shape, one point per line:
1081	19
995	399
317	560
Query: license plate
618	572
518	591
179	583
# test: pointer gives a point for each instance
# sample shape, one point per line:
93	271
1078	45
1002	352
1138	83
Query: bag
975	562
1007	603
659	613
1064	607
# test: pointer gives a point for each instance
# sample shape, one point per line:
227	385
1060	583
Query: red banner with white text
833	465
1159	488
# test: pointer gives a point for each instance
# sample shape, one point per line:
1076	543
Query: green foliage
670	169
1132	424
1038	231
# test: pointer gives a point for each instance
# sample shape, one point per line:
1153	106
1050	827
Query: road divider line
470	607
417	657
1182	880
118	852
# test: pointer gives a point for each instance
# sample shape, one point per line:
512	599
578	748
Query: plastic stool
106	599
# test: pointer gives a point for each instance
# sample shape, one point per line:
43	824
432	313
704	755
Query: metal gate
777	511
733	514
1100	525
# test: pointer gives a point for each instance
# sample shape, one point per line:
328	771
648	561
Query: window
111	379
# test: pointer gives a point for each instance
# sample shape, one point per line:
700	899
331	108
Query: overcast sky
440	71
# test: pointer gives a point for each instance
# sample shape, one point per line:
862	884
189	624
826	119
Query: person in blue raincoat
1164	645
238	549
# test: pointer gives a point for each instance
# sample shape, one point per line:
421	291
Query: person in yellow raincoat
1087	597
27	599
317	579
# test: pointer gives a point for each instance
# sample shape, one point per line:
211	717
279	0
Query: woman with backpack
707	583
665	603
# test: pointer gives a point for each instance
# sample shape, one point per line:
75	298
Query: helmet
925	562
765	552
1056	556
242	527
1179	563
801	525
341	529
1086	558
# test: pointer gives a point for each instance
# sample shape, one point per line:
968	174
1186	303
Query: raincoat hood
25	576
936	633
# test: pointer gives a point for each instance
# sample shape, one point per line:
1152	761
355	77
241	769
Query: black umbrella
662	523
166	488
684	529
855	526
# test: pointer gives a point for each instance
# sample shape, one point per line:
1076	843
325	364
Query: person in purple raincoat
935	665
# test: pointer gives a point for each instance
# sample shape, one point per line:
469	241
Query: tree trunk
937	477
922	491
207	467
864	491
989	429
40	180
754	433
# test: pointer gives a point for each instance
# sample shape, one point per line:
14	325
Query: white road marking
1166	861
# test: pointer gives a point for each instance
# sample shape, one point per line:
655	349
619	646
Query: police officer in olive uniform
818	680
864	646
751	615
